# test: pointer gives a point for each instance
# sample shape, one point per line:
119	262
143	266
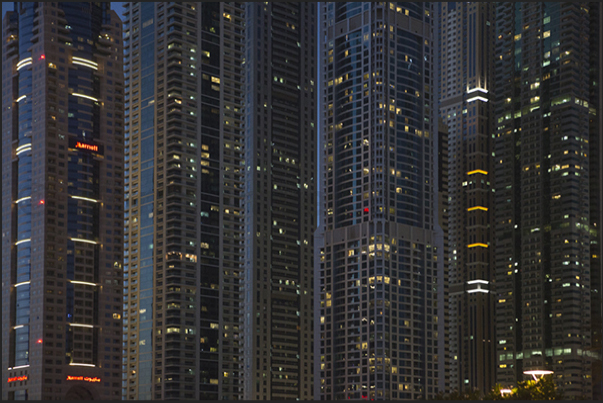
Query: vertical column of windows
213	25
145	144
395	130
24	189
129	368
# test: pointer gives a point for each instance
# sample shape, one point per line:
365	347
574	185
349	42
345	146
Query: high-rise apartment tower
184	79
280	199
376	325
62	186
466	44
548	193
444	253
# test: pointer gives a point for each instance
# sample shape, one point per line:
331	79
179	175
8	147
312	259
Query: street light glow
537	373
505	391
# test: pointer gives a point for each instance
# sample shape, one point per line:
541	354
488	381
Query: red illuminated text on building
84	146
17	378
83	378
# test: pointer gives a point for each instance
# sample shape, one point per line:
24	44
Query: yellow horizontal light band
22	283
23	147
84	240
84	198
538	372
82	282
80	325
75	364
477	171
477	208
477	99
477	89
18	327
25	62
477	282
21	366
22	199
473	245
23	241
84	62
477	290
21	98
81	59
75	94
93	67
21	151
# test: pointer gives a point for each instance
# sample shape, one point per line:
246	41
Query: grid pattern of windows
183	202
545	142
62	201
376	324
466	82
280	199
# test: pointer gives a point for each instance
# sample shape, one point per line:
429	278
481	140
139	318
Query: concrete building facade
280	199
466	46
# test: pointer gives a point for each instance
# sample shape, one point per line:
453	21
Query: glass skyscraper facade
280	199
376	256
184	84
189	69
548	193
62	184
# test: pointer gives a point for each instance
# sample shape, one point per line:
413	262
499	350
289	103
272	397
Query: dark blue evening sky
117	6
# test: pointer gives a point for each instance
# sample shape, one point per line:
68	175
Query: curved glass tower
61	224
376	324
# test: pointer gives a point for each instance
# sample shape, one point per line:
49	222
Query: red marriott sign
85	146
17	379
83	378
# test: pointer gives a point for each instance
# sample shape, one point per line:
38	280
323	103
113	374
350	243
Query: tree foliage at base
542	389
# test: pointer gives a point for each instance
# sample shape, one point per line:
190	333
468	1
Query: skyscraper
548	193
376	324
444	256
62	167
183	200
280	199
466	42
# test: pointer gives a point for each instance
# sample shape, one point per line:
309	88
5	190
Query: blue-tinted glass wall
376	245
62	225
182	204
